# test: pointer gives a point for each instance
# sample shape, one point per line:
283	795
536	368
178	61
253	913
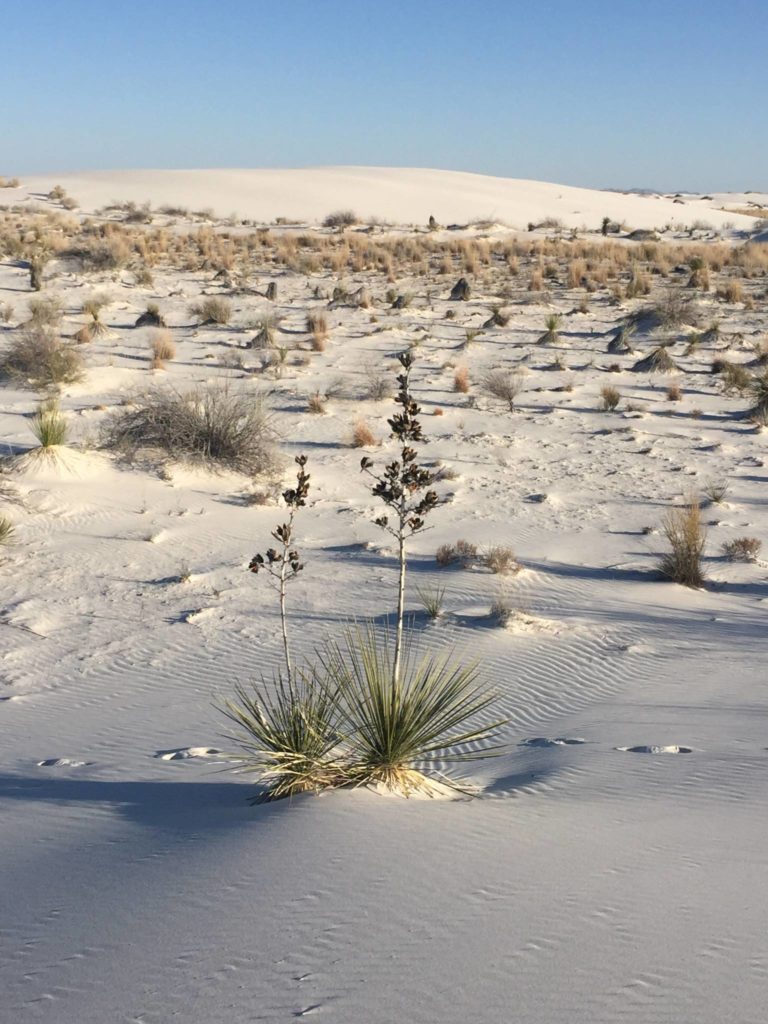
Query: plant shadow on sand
174	806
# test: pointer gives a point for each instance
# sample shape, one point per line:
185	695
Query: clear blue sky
659	93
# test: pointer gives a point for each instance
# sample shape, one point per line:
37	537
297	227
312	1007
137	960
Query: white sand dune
612	869
399	195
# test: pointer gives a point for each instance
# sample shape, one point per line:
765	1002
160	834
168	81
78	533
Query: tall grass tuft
686	535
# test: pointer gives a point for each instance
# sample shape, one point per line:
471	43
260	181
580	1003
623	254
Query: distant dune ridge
399	195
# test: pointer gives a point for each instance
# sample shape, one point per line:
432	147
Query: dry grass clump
214	426
213	310
732	291
317	326
316	403
686	535
609	398
500	559
162	346
38	358
742	549
362	435
736	378
674	393
461	380
45	312
505	385
461	552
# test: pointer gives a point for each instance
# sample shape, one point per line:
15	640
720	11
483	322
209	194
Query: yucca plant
6	530
397	722
286	731
49	425
550	336
288	735
405	487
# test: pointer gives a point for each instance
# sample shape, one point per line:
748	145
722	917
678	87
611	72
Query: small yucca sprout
49	425
550	336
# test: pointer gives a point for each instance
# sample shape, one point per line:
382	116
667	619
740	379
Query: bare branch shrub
215	426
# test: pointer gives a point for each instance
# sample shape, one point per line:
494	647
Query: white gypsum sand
612	865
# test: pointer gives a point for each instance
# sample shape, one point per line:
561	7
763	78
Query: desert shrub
505	385
462	553
38	358
461	380
6	312
500	559
676	308
340	219
501	611
215	426
674	393
98	254
49	425
162	345
378	385
685	533
45	312
362	435
212	310
609	398
742	549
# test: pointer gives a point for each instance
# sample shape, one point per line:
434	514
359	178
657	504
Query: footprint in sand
552	741
63	762
645	749
184	753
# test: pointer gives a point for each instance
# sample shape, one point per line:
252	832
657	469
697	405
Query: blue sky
665	94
